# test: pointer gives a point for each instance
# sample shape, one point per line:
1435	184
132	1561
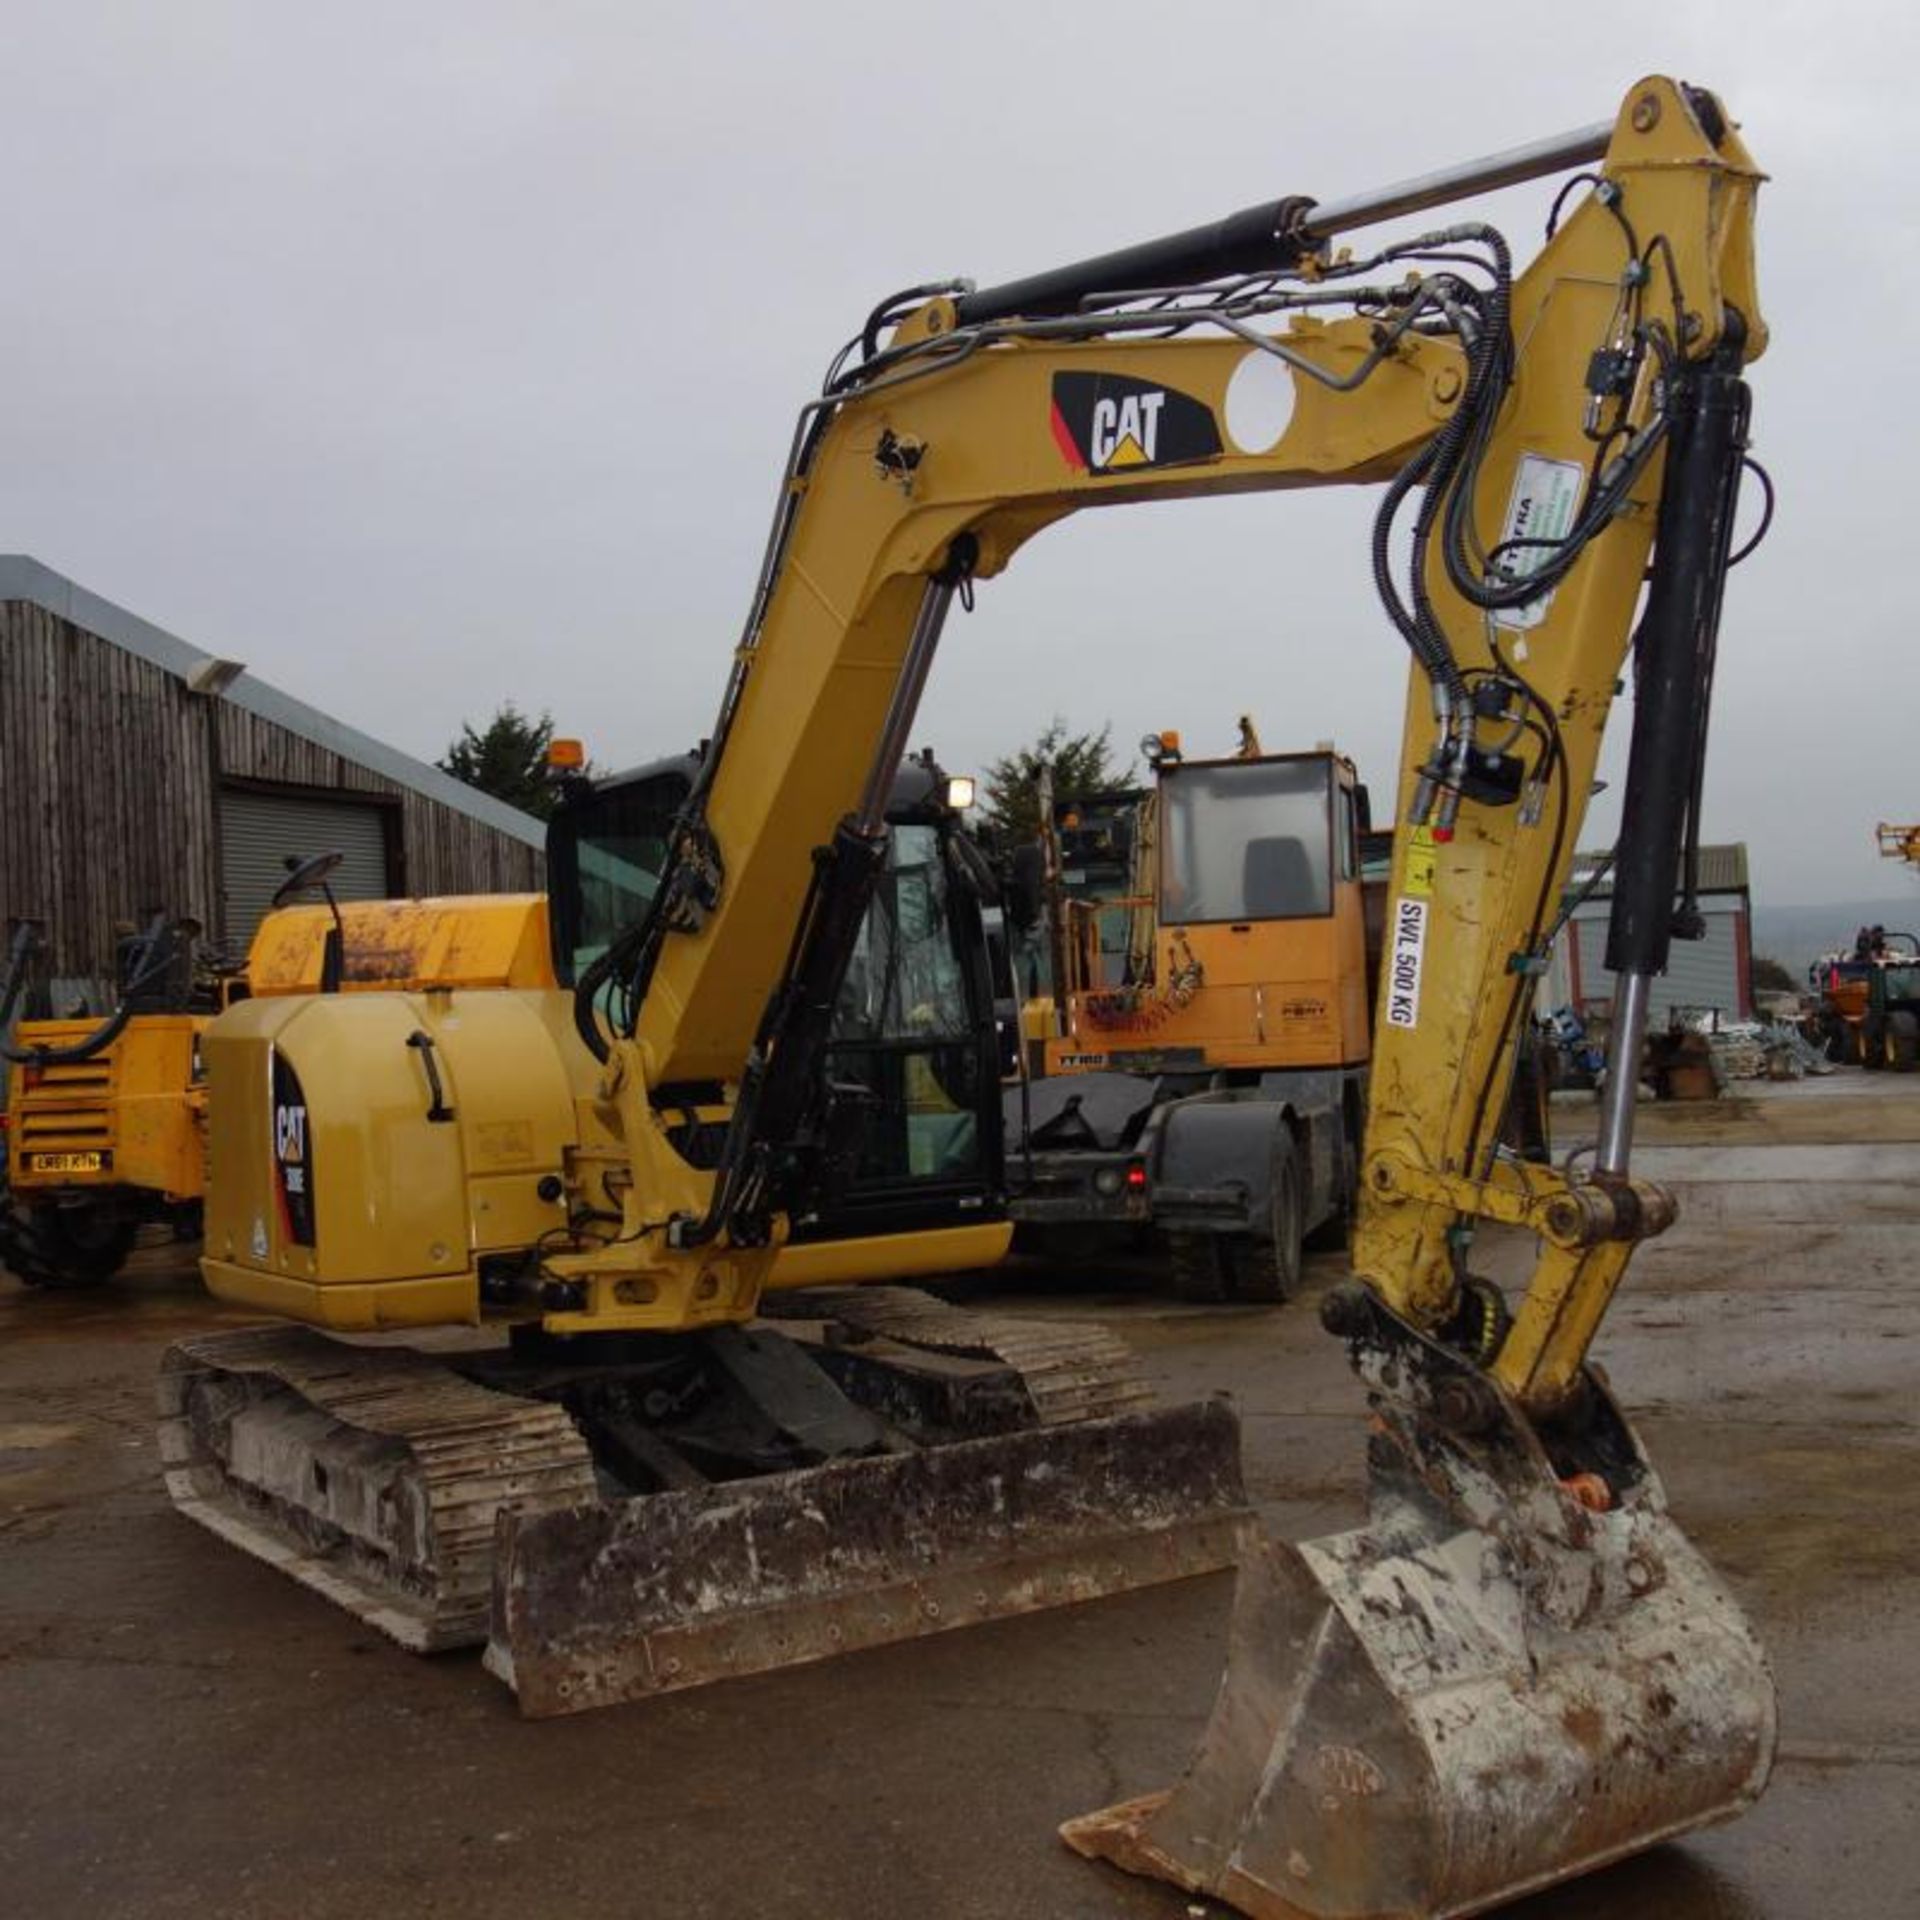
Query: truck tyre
1195	1267
1873	1042
1903	1041
1266	1266
1334	1232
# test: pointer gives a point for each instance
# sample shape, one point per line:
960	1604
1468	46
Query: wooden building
137	774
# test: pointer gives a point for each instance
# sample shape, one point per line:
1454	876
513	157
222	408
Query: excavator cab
911	1060
607	845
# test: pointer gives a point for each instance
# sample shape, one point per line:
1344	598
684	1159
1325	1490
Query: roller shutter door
259	830
1700	973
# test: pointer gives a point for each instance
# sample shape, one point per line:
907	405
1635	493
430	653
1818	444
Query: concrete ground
186	1733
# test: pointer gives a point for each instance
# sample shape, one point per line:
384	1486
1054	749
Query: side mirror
302	877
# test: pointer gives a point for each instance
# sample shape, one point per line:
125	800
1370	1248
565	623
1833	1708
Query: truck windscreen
1246	840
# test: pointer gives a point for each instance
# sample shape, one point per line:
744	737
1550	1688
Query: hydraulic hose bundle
153	955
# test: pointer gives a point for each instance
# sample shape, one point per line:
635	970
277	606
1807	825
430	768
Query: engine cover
364	1150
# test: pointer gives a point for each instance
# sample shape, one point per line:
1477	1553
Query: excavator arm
1519	1668
910	483
1523	423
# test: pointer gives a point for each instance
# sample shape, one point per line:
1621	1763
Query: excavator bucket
1488	1688
622	1600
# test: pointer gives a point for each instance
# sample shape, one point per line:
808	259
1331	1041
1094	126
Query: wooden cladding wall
105	790
108	771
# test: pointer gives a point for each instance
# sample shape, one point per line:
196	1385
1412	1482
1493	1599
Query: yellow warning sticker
1420	859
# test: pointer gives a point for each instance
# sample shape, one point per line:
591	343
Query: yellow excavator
381	1508
1898	843
1517	1668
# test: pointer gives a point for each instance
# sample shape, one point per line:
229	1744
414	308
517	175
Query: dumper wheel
1903	1041
82	1246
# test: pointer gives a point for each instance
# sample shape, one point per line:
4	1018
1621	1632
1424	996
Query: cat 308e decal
1109	423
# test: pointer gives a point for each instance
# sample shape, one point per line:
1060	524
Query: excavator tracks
372	1475
449	1513
1070	1371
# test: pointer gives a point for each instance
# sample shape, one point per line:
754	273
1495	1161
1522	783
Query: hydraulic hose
154	958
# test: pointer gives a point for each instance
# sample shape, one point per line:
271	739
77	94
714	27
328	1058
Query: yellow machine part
133	1115
1278	993
1271	994
889	1256
322	1126
338	1197
128	1117
446	1193
460	940
1898	843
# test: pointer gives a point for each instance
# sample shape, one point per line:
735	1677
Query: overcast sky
428	355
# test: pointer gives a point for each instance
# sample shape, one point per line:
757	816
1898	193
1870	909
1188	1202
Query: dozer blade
623	1600
1486	1689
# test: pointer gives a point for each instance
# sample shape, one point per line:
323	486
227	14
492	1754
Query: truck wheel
1267	1266
1903	1041
1838	1045
1195	1267
1334	1232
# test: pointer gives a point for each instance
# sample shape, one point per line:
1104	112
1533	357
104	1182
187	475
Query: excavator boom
1519	1668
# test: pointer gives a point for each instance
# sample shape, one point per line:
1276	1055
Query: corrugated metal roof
24	578
1723	869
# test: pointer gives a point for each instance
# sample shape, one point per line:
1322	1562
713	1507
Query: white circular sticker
1260	402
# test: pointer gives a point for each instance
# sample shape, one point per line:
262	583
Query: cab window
607	853
1247	840
903	1029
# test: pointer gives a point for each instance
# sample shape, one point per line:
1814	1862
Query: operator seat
1278	881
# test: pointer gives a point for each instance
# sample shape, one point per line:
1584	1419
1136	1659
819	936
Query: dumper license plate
68	1162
